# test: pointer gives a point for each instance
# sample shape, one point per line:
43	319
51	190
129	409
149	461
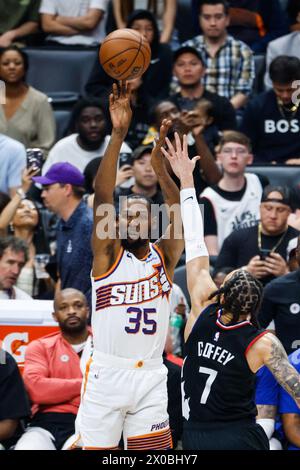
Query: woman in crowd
26	115
163	10
22	218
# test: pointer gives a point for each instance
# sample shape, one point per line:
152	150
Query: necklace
276	245
284	110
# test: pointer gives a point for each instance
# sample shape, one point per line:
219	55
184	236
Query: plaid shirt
231	71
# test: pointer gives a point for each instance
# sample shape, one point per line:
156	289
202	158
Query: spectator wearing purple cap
63	189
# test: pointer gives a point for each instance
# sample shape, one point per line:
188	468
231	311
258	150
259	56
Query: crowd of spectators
205	85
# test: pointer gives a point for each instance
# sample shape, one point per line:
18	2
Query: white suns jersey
131	306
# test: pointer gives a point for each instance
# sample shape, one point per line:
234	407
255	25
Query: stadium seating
260	68
287	175
61	118
60	73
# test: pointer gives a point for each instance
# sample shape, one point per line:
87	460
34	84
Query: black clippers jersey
217	383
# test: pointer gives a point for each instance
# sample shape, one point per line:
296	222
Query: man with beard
53	375
125	389
88	137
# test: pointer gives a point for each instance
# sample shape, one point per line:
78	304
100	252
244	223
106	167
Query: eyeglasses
231	151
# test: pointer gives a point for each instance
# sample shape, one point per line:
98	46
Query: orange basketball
125	54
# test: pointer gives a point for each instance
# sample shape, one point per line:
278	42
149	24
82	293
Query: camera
35	158
264	253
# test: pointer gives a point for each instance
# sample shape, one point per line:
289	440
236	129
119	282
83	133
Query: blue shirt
74	250
269	392
286	402
266	388
12	163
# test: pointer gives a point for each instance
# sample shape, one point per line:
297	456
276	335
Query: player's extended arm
105	242
171	245
270	351
200	284
86	22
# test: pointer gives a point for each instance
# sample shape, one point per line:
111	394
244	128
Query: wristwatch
20	192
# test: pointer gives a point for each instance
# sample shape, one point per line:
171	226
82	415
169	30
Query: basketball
125	54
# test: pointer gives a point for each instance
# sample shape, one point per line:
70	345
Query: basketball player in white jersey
124	391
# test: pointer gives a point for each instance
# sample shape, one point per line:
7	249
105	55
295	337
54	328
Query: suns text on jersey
132	293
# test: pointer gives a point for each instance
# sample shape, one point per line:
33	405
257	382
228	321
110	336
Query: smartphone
264	253
35	158
125	159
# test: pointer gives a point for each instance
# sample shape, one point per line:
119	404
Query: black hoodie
156	79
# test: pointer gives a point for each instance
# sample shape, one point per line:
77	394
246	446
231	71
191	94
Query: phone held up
35	158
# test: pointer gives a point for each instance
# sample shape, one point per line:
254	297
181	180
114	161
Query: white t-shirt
19	295
77	8
68	150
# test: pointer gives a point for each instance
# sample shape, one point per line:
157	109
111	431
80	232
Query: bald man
53	375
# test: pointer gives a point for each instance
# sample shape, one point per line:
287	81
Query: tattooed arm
269	351
266	411
266	415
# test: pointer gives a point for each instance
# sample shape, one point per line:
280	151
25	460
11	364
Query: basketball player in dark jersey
224	345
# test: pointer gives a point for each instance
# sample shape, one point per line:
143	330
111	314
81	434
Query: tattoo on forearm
285	374
266	411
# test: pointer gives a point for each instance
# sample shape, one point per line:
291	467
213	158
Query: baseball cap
283	190
62	172
140	151
187	49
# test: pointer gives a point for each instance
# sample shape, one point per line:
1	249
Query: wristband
192	225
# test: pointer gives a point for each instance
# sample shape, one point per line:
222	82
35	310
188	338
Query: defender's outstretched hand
119	108
156	155
179	159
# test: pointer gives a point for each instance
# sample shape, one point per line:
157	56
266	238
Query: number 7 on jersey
212	374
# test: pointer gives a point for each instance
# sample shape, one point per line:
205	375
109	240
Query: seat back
260	68
53	70
287	175
61	118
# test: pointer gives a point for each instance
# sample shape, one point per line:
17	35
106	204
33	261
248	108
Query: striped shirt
231	71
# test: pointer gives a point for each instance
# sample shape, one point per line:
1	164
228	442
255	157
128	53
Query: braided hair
242	294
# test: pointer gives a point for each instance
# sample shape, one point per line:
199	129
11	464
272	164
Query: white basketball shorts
124	397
